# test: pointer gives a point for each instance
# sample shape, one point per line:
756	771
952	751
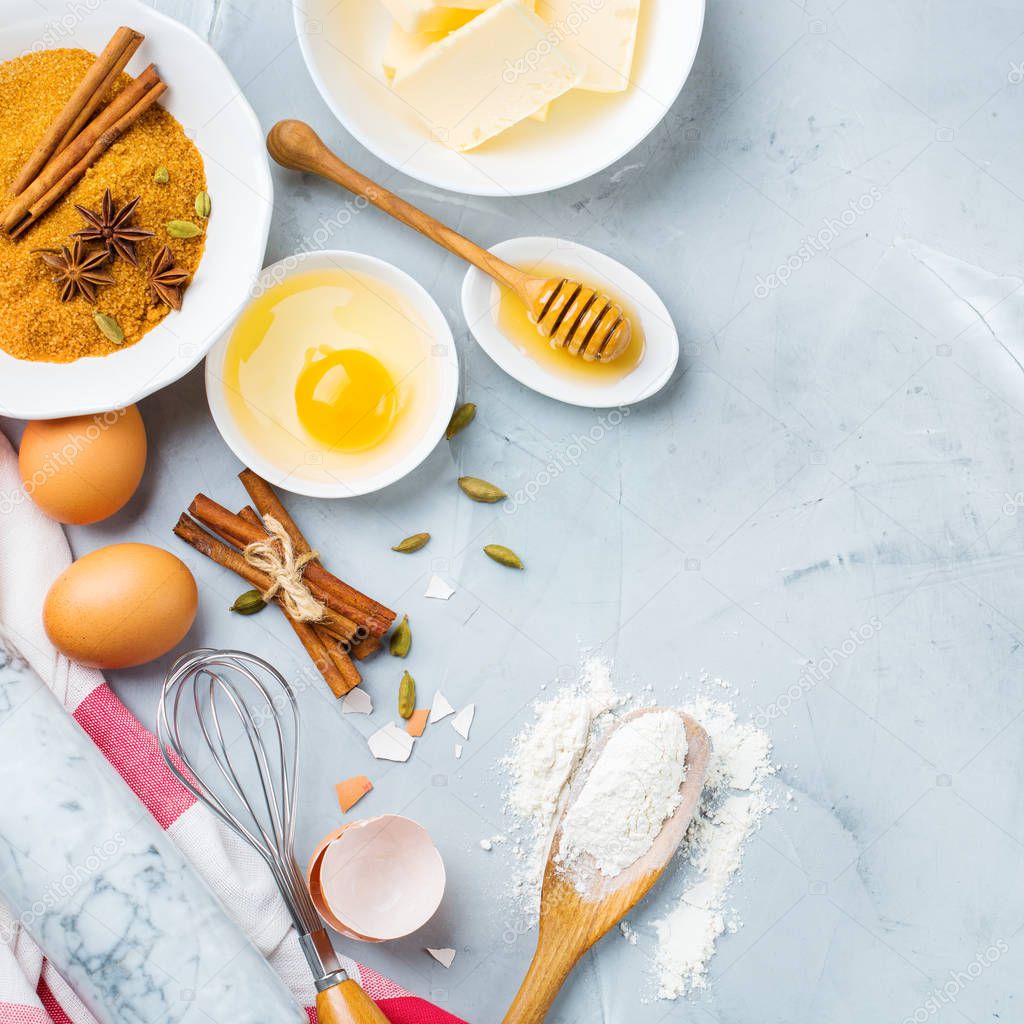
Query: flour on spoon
629	792
551	749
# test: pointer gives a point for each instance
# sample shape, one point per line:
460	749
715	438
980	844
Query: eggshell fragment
315	890
440	708
445	957
356	702
121	605
351	791
463	720
417	722
378	879
390	743
82	469
438	589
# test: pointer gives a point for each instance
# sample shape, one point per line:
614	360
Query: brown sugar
35	323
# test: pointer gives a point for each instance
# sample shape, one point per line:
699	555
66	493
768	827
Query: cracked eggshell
377	879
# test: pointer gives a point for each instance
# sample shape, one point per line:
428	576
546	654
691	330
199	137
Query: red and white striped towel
33	552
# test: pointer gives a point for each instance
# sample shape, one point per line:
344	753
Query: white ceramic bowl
447	392
661	340
204	97
343	42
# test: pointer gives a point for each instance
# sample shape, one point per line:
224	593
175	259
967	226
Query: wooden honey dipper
584	321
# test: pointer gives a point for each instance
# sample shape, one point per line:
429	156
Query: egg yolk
346	399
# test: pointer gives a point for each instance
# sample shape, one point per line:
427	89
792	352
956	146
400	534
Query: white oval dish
343	44
444	349
480	298
204	97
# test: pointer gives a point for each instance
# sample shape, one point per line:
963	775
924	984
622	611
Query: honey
514	321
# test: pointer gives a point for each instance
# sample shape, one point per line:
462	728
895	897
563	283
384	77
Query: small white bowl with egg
338	378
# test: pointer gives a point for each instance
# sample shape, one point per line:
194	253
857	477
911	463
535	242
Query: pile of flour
732	806
626	807
541	762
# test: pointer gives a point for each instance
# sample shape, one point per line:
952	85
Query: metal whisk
246	721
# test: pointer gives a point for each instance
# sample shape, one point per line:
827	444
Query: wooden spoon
573	316
570	923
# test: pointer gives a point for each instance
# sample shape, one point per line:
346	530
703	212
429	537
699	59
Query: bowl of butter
499	97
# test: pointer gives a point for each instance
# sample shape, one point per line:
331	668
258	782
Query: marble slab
103	891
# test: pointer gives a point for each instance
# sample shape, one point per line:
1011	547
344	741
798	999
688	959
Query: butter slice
429	15
405	48
487	76
600	37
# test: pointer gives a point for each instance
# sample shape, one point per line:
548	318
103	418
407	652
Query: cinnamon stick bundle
197	538
352	623
267	503
242	530
323	586
333	622
327	653
81	105
62	172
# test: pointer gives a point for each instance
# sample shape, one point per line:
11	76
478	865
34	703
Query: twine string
276	557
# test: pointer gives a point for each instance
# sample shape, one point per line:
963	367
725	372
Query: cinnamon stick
81	105
227	557
320	657
266	500
362	649
58	176
104	88
342	662
267	503
238	531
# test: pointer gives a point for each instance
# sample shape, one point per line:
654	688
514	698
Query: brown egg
120	606
83	468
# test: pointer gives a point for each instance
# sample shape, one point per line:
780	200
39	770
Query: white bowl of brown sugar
135	203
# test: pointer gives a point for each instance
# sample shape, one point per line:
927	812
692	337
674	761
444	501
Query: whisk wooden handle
347	1003
295	145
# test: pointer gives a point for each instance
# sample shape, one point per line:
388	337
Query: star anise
78	269
110	228
167	281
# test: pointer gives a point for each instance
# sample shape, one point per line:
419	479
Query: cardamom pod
504	556
406	695
401	639
183	229
461	418
203	205
161	175
110	327
411	544
249	603
481	490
